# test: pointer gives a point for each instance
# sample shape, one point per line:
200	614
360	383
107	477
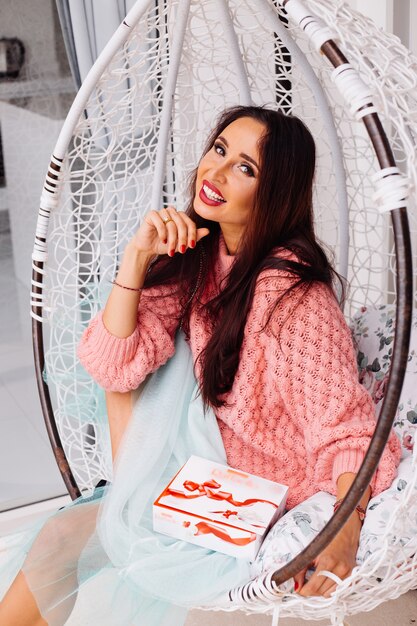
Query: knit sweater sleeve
121	364
310	352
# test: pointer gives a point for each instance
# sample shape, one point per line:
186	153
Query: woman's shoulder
285	273
281	275
283	284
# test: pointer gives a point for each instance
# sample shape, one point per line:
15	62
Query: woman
243	275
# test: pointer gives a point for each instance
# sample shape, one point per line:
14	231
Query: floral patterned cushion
298	527
373	331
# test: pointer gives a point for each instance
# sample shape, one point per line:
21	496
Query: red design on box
207	489
240	521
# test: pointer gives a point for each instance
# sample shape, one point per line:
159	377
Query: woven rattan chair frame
404	284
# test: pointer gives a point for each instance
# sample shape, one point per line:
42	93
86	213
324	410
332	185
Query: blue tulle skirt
106	542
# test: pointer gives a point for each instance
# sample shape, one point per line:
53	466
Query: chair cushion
296	529
373	331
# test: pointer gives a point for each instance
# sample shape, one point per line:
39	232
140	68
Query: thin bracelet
359	509
123	286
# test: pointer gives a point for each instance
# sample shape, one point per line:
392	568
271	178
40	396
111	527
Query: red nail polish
171	252
296	586
192	243
182	248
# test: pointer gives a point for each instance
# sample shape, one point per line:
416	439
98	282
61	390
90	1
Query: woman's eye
246	169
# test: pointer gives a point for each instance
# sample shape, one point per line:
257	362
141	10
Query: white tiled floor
28	472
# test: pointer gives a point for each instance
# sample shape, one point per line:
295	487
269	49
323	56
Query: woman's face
227	178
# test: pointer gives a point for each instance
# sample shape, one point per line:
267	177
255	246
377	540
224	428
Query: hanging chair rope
315	29
356	94
392	189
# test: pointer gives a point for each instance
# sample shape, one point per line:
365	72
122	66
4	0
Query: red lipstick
210	201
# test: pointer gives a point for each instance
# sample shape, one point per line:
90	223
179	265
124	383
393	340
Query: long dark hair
282	217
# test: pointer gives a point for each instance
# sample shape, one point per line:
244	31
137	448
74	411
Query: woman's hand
157	237
339	557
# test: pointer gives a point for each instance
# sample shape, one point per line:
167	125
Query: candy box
218	507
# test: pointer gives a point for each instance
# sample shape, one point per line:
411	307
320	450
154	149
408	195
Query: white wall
413	26
32	22
30	123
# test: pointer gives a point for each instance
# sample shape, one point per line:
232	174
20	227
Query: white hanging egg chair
133	134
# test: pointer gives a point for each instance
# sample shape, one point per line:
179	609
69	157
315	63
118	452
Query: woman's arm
135	332
312	369
131	273
119	412
339	556
120	313
319	384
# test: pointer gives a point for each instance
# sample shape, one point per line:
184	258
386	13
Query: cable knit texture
296	412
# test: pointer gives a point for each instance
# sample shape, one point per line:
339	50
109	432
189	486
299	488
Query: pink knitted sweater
296	412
